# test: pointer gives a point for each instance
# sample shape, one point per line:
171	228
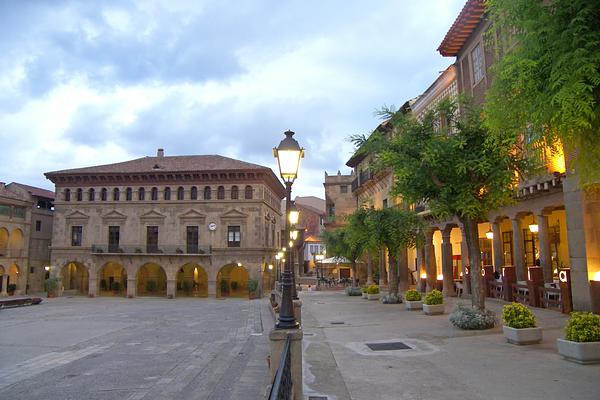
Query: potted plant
51	286
364	292
224	287
151	286
413	300
433	303
234	285
253	289
520	325
11	288
373	292
582	339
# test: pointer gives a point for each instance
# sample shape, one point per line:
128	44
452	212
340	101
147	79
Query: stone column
430	266
544	245
277	338
518	256
497	245
212	288
131	287
447	263
4	285
171	288
92	285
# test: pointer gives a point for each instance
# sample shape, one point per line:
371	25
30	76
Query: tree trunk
369	268
472	237
403	269
353	266
393	271
383	281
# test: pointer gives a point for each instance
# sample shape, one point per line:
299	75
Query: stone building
170	226
25	231
312	219
339	200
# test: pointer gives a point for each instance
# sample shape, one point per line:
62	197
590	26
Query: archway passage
75	278
112	280
151	280
192	281
232	281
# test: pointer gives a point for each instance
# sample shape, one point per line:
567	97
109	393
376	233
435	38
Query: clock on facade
212	226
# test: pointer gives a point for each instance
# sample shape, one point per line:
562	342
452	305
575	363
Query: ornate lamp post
293	248
288	155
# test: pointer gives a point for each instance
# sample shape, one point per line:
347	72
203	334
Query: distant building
172	226
312	219
25	232
339	200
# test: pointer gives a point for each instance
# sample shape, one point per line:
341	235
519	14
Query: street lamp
288	155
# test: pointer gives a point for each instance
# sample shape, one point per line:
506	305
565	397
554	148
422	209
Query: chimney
160	153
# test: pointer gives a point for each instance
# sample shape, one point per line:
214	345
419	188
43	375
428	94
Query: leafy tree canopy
548	79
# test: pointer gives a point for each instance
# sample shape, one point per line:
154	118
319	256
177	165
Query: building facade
339	200
169	226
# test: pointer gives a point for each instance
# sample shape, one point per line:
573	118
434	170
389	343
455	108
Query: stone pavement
443	362
114	348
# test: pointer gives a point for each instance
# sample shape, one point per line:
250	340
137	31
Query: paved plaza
115	348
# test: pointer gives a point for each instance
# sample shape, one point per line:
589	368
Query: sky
86	83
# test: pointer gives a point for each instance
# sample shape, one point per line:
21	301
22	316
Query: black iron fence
150	249
282	388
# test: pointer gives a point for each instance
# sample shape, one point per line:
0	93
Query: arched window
248	192
128	194
141	194
103	194
180	193
67	194
154	194
194	193
234	193
221	193
207	193
79	194
116	194
91	194
167	193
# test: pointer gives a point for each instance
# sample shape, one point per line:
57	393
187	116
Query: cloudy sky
93	82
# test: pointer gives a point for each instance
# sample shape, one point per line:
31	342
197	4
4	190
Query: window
76	235
194	193
32	270
485	246
180	193
167	193
207	193
91	195
103	194
531	253
141	194
192	239
273	235
221	193
79	194
233	236
344	189
331	210
113	239
248	192
267	234
116	194
152	239
128	194
385	203
154	194
67	194
507	249
234	193
477	63
38	225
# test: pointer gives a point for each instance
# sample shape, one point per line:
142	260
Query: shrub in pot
364	292
11	288
520	325
412	300
253	288
116	287
224	286
468	318
353	291
373	292
582	339
433	303
51	286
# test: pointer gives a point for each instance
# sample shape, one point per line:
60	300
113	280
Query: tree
340	244
456	167
547	82
359	236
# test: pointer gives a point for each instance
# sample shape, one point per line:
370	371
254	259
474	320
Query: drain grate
337	323
388	346
317	397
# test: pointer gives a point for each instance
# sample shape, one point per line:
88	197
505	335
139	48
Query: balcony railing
145	249
362	178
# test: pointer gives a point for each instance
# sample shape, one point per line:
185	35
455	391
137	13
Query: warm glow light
320	257
47	268
528	275
534	228
460	274
270	267
489	234
556	270
277	256
596	276
294	215
556	159
280	254
294	234
290	244
288	155
423	275
562	276
239	264
440	277
482	271
283	250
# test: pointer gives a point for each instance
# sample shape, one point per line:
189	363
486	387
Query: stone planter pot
523	335
433	309
365	296
373	296
579	352
414	305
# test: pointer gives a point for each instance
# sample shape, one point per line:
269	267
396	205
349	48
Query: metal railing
282	387
145	249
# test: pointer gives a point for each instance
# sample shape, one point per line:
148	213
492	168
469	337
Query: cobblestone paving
109	348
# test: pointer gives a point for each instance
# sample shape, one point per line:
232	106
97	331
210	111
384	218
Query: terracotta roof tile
461	29
35	191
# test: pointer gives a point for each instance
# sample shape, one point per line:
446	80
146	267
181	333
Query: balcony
362	178
143	249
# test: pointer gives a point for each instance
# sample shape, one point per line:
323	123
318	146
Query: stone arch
232	281
15	240
75	278
112	280
151	280
192	281
3	240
